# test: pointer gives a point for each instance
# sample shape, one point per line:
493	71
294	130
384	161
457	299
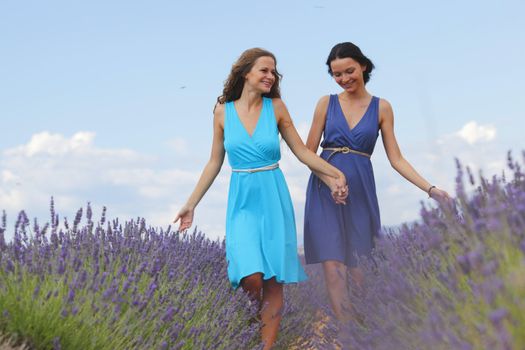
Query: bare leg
271	311
337	286
357	276
253	285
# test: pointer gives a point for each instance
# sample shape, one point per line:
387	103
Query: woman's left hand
337	185
340	195
339	188
439	195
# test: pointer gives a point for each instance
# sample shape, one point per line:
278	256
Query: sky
110	102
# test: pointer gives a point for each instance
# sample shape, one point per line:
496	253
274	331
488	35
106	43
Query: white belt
254	170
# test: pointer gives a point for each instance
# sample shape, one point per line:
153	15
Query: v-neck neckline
346	119
256	123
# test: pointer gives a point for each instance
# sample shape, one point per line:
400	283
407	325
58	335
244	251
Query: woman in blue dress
350	123
261	246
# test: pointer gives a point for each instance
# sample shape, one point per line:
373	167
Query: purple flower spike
71	295
464	264
10	267
61	267
168	315
475	258
56	344
36	291
89	212
497	316
489	268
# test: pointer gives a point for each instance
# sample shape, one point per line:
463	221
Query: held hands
339	188
186	218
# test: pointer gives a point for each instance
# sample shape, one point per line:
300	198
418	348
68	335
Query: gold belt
344	150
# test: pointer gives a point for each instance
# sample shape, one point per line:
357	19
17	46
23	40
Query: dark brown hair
235	82
349	50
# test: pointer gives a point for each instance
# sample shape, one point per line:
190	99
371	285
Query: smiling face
348	73
262	75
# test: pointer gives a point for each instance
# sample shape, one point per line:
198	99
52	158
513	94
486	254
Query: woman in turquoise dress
261	246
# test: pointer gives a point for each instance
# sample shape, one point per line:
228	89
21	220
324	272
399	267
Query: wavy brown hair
235	82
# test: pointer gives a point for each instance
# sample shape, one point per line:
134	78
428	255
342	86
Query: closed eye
339	74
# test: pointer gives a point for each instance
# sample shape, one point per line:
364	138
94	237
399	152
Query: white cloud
473	133
473	145
10	198
179	145
46	144
8	176
75	170
394	189
53	144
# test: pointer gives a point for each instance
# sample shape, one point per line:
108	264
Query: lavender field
455	279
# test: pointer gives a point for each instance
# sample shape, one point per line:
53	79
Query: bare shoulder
278	104
219	108
323	102
384	106
218	114
385	111
282	116
321	109
280	110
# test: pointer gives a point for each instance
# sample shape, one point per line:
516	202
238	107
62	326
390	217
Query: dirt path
6	344
320	340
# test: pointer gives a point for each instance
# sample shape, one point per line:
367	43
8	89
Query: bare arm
305	155
209	173
400	164
317	127
316	130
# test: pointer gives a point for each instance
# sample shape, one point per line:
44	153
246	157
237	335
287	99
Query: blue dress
340	232
260	222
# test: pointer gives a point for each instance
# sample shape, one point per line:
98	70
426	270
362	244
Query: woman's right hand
185	216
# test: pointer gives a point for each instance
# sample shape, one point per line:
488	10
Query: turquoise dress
260	222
